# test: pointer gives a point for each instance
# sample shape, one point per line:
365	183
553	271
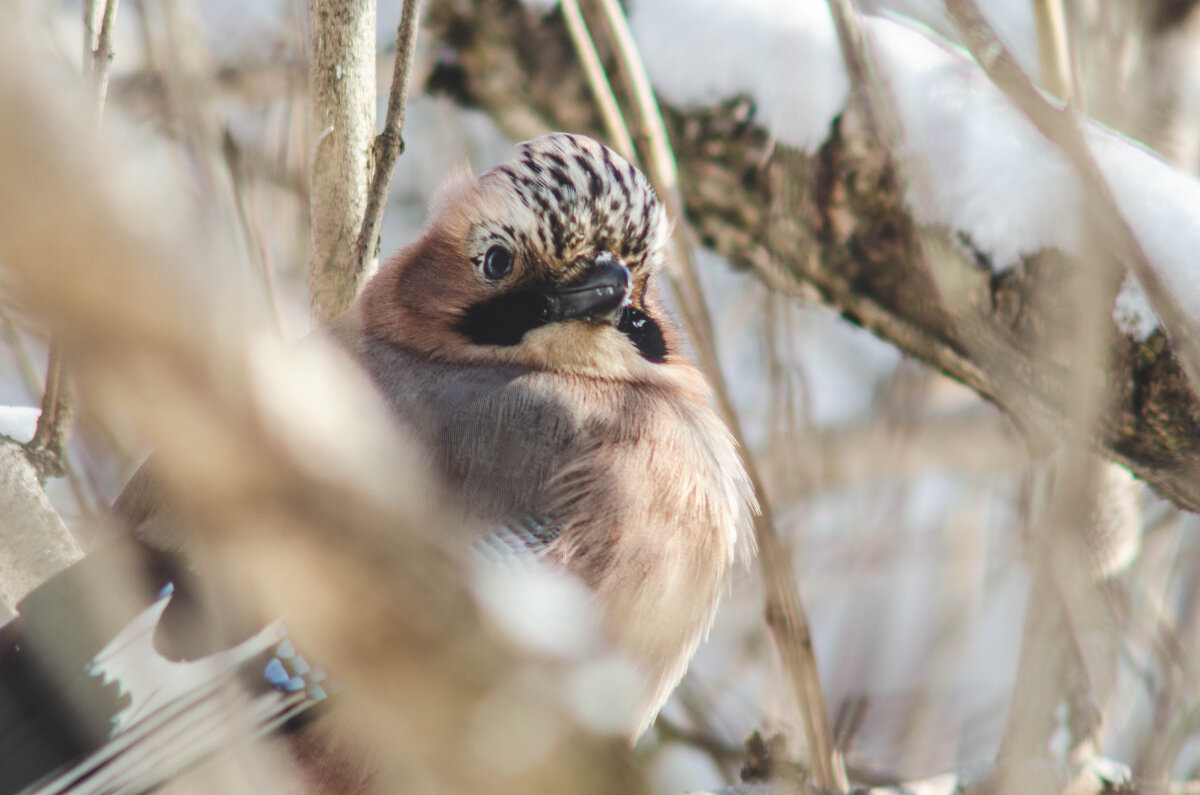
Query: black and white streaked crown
583	198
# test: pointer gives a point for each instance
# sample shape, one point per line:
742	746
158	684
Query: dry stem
589	61
102	55
858	68
1065	603
784	611
45	449
389	144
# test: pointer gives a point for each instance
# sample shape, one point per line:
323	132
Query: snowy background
910	552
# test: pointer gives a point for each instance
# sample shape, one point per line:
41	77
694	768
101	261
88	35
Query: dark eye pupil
497	262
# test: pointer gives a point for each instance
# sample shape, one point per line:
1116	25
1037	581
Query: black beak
597	297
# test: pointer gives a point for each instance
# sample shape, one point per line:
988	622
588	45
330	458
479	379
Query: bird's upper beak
596	297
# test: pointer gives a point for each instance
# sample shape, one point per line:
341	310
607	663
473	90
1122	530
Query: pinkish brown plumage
521	338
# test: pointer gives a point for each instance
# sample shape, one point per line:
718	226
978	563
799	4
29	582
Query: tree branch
589	61
102	56
45	449
341	128
1062	129
389	144
834	224
1054	53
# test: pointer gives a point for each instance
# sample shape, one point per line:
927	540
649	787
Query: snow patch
1133	312
974	162
783	54
18	422
977	165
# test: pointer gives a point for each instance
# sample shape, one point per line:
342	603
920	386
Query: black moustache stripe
645	334
506	319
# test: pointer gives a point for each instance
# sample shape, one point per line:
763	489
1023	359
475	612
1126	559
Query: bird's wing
516	543
89	705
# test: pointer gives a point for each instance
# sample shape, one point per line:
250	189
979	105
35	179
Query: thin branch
660	165
1068	605
91	11
593	70
87	492
784	611
1061	128
45	449
102	56
389	144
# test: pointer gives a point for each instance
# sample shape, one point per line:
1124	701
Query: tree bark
341	131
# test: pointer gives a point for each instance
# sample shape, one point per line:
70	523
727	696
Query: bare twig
87	493
389	144
784	611
102	55
92	9
45	449
341	128
1061	128
589	61
660	164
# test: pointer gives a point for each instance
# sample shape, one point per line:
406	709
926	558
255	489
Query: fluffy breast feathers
522	340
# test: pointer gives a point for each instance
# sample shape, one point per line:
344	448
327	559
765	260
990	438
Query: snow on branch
974	162
958	247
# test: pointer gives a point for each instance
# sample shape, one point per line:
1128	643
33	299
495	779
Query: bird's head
543	261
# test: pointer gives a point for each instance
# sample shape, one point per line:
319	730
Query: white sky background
914	586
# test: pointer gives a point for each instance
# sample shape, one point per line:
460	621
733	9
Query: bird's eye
497	263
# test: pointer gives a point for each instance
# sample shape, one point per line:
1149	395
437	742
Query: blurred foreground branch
285	463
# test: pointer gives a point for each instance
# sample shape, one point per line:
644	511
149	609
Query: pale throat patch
585	348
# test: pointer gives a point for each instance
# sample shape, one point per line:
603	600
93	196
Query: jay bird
522	342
